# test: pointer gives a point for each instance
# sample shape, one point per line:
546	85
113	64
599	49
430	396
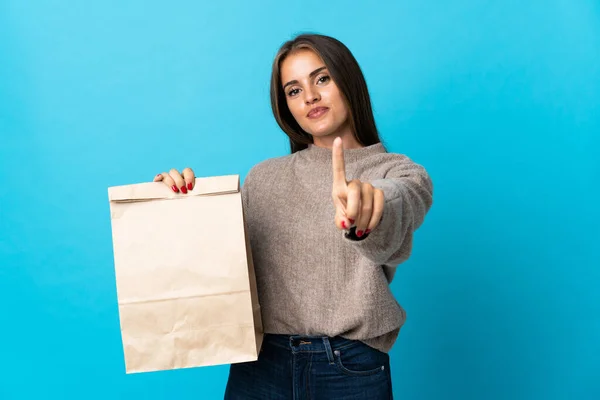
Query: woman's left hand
355	201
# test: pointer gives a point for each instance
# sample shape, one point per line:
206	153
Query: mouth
317	112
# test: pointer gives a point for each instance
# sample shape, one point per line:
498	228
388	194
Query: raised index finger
339	167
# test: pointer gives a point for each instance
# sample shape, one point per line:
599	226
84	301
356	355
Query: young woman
328	224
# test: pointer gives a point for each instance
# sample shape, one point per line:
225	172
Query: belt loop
328	350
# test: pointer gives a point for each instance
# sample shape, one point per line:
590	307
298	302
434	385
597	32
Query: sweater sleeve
245	189
408	192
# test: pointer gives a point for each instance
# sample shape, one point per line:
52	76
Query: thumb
341	221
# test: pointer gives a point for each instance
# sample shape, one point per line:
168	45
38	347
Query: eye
323	79
293	92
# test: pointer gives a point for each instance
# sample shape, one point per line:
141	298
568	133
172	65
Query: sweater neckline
322	154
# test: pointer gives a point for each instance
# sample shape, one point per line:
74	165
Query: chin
322	131
325	128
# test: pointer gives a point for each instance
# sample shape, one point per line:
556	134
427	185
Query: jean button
337	352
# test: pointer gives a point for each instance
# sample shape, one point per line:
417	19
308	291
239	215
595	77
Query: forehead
299	64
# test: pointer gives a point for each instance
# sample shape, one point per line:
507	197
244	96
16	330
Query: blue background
499	100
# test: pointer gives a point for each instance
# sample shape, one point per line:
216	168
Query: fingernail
351	221
175	189
359	233
190	187
344	225
367	231
183	189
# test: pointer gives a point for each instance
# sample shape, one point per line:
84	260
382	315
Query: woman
328	225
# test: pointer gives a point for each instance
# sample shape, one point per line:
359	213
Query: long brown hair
347	75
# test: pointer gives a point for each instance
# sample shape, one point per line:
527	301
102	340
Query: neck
322	155
348	139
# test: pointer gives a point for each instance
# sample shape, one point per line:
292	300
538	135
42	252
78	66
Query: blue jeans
312	368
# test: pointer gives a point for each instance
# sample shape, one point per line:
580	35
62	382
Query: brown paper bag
185	280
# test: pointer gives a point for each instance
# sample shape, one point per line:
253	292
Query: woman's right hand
176	181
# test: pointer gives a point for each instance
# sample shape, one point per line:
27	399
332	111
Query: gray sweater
314	279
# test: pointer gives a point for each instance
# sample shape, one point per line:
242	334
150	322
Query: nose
311	96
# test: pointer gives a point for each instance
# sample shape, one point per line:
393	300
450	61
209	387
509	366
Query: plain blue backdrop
500	101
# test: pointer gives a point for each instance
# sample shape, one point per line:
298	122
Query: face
314	99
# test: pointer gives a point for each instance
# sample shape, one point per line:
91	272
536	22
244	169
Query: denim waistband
309	344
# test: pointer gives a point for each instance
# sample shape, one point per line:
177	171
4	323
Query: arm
408	193
245	189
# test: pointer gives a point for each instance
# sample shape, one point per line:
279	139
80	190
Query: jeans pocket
361	361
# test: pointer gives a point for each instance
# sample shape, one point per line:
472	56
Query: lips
317	112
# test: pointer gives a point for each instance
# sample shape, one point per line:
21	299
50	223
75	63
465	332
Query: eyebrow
316	71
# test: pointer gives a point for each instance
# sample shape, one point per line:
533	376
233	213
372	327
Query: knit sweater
314	279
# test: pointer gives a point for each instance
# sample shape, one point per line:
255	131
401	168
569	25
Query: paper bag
185	280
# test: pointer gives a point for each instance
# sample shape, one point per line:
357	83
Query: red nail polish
183	189
344	225
367	231
359	233
175	189
351	220
190	187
